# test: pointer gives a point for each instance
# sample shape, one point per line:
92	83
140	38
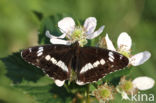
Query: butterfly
88	64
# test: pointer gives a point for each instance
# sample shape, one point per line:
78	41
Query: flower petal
59	83
96	33
52	36
59	41
140	58
90	25
124	42
143	83
66	25
109	43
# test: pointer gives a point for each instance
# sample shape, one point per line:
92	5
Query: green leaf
18	69
32	81
3	80
11	95
114	77
49	93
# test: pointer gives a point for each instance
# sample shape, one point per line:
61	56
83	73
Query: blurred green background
19	26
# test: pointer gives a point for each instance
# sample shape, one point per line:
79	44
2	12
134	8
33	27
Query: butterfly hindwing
54	60
94	63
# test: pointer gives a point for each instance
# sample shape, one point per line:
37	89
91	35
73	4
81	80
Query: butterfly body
65	62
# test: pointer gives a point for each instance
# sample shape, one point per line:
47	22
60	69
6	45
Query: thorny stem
87	96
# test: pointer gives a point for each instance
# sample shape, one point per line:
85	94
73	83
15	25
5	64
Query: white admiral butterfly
88	63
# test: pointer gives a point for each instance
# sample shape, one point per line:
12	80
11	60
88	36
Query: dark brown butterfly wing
95	63
54	60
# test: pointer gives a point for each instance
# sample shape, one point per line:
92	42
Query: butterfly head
75	45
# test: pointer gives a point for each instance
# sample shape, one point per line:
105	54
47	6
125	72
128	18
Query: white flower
143	83
128	87
75	33
124	44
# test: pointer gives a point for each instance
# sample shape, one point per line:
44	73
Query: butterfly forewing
94	63
54	60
